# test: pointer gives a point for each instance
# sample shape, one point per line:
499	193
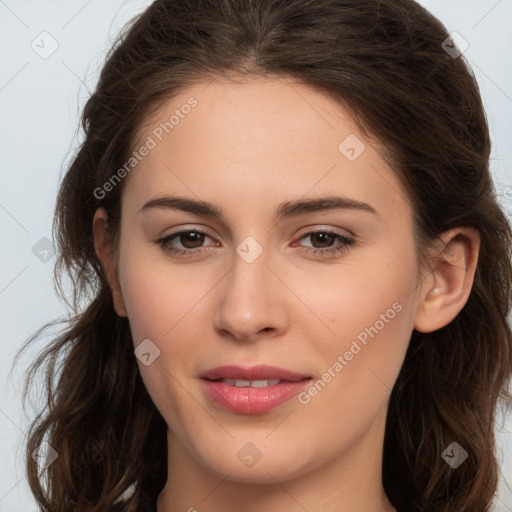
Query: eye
190	239
324	240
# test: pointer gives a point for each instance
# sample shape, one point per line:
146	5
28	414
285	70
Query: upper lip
259	372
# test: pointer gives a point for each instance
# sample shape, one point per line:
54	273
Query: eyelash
331	251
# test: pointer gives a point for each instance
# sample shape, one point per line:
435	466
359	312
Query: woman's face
291	246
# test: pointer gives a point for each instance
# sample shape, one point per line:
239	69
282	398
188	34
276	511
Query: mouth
254	390
242	383
256	374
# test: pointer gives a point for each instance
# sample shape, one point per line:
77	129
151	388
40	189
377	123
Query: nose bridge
250	300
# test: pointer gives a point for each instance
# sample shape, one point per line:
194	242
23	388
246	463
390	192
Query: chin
244	463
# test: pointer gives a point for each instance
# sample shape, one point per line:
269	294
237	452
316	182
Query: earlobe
106	254
446	289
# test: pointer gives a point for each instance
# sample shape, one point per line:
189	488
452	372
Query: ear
446	288
107	255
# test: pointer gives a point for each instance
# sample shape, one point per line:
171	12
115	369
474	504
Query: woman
297	273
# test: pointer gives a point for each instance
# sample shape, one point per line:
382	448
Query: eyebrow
287	209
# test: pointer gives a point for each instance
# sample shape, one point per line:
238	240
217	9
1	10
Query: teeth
241	383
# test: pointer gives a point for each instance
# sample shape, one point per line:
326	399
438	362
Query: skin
249	146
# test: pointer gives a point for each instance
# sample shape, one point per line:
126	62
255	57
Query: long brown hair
384	59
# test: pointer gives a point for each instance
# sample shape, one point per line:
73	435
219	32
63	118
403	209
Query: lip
259	372
249	400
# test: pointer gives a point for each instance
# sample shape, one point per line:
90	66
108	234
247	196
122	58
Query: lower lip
249	400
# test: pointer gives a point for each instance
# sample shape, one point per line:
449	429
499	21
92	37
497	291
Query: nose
251	301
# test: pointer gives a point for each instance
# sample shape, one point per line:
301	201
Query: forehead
242	109
270	137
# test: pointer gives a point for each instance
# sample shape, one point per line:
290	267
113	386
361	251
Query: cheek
160	299
158	294
369	309
365	290
148	302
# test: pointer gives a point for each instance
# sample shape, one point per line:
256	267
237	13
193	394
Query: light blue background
40	103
